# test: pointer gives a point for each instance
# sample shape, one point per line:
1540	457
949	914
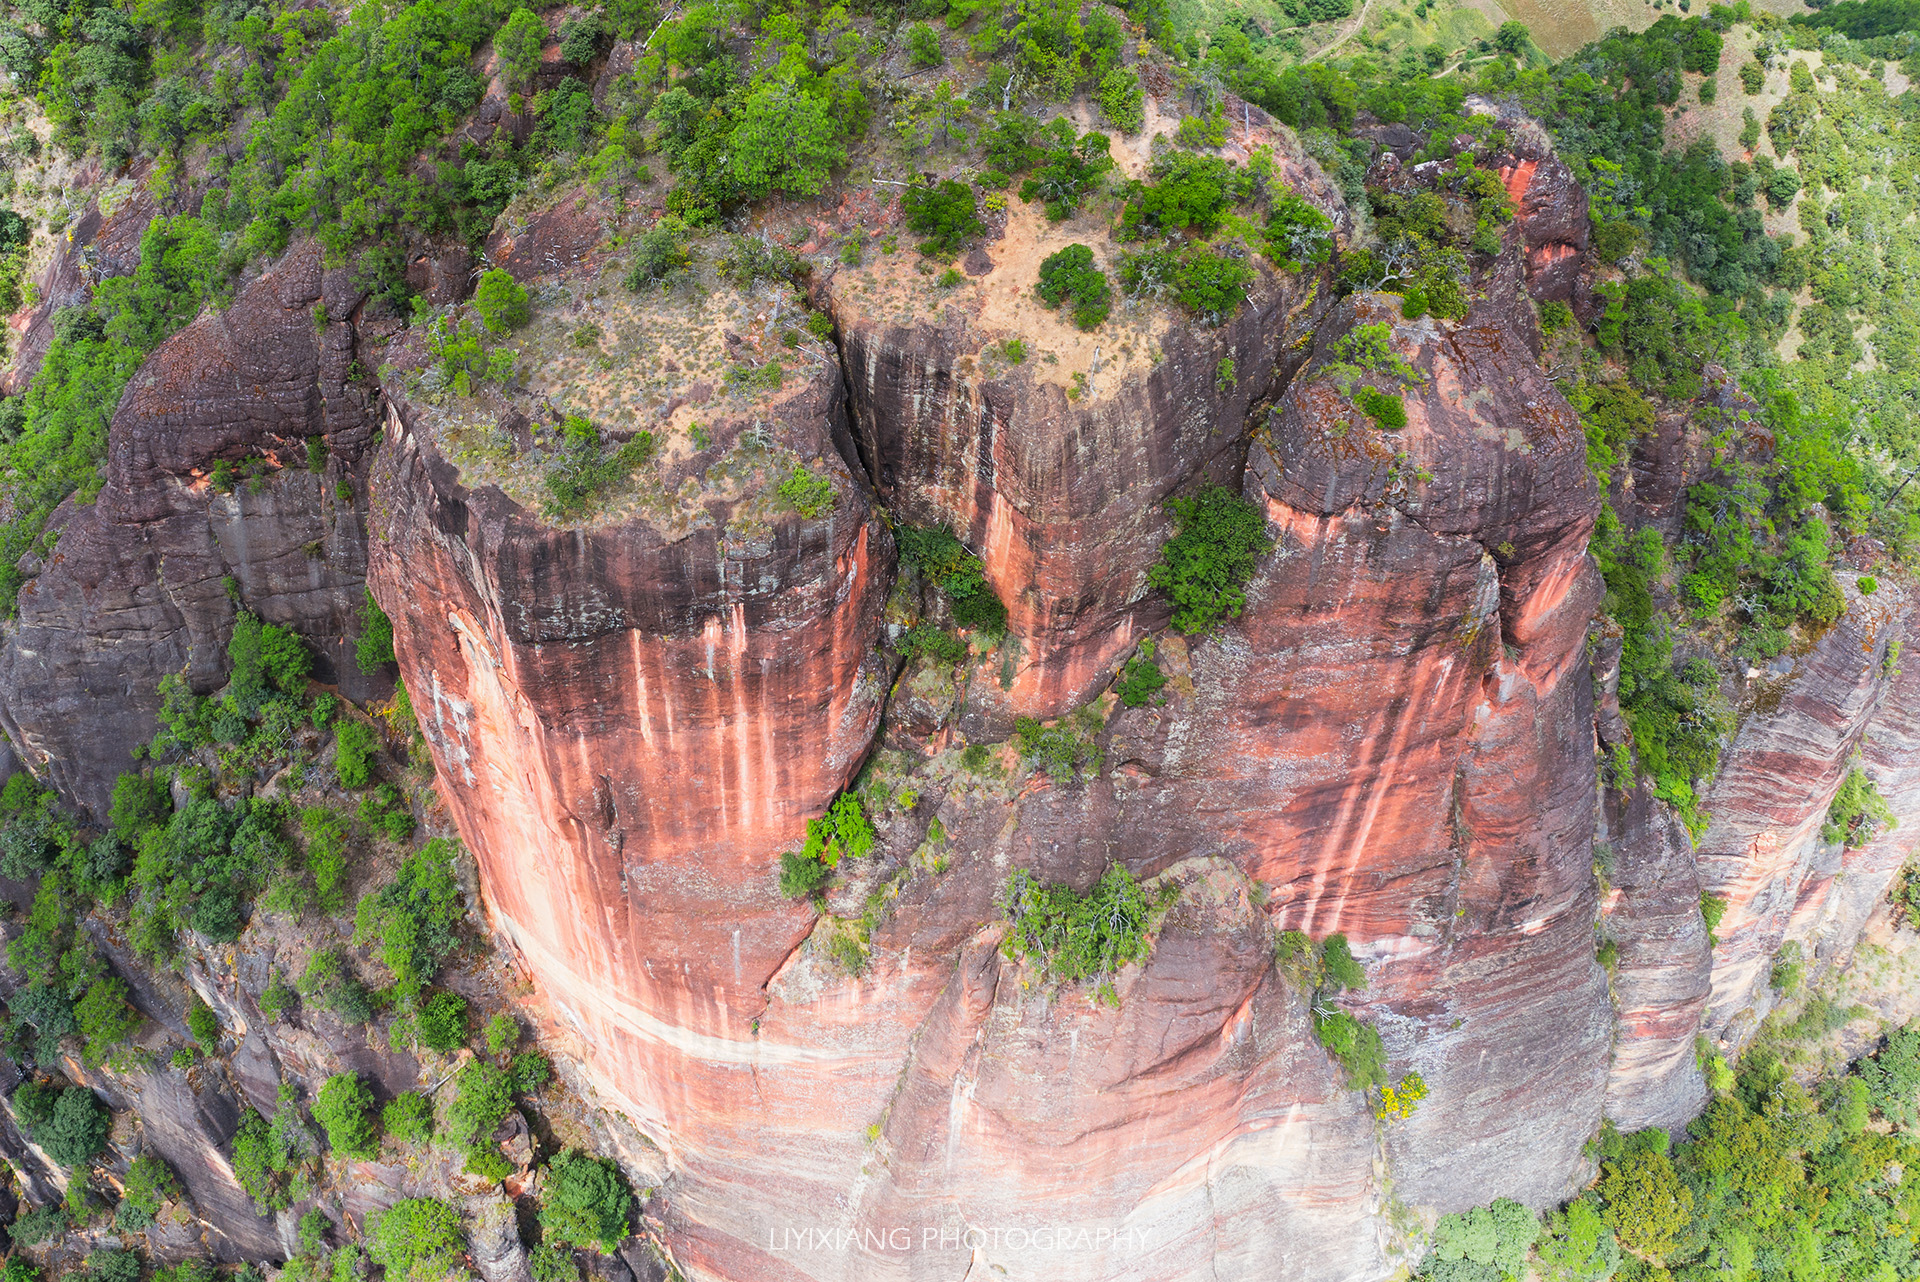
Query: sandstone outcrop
146	579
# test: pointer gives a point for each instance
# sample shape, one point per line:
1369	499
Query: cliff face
145	580
631	716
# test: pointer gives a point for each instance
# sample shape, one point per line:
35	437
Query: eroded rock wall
146	579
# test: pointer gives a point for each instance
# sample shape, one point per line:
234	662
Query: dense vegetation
1081	938
1773	1181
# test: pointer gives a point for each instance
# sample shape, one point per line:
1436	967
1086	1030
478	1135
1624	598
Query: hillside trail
1353	29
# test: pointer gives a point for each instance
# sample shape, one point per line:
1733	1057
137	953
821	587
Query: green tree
923	45
76	1129
1648	1207
1218	541
502	304
1069	274
785	141
345	1108
518	45
585	1202
409	1118
418	1238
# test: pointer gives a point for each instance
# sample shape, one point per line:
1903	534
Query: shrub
1338	965
945	562
1140	681
923	44
1057	751
1858	813
418	1238
1753	77
409	1118
373	648
112	1266
585	1202
659	252
76	1129
844	830
150	1184
1122	101
139	802
329	980
344	1108
1070	275
442	1022
105	1018
531	1072
1498	1236
1219	538
947	215
935	643
501	302
808	492
354	744
482	1099
550	1265
204	1025
41	1224
1892	1078
1388	411
1712	908
1355	1044
1189	193
1079	937
582	469
1207	283
503	1034
1299	235
414	917
1647	1204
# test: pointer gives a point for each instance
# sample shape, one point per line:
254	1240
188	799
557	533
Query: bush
844	830
354	744
373	648
442	1022
501	302
41	1224
945	562
345	1109
585	1202
1712	908
1858	813
935	643
808	492
204	1025
1299	235
76	1129
105	1018
1338	965
947	215
550	1265
1122	101
1070	275
150	1184
414	918
1079	937
112	1266
1218	541
1892	1078
1057	751
409	1118
1140	681
139	802
1647	1205
1355	1044
531	1072
1498	1236
1388	411
418	1238
1207	283
583	470
923	44
1753	77
483	1097
659	253
503	1034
